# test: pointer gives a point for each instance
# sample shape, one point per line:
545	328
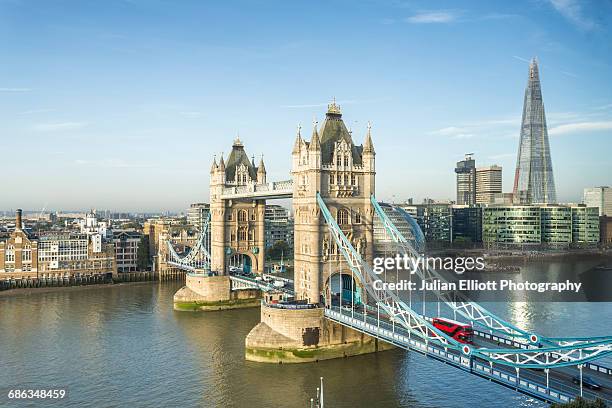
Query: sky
123	104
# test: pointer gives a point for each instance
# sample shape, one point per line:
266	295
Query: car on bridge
587	382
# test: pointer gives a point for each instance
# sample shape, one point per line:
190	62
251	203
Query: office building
197	214
382	241
600	197
533	179
467	224
278	225
511	225
556	223
434	218
585	225
127	245
488	184
466	181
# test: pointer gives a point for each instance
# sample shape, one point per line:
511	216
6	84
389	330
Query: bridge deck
531	382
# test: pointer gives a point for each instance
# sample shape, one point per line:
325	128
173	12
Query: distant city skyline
123	105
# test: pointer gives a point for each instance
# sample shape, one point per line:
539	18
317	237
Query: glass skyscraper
533	180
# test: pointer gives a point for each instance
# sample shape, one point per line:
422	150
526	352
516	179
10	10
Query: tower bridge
333	196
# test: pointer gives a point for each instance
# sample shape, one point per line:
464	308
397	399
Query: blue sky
122	104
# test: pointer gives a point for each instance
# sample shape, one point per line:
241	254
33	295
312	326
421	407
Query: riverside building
537	226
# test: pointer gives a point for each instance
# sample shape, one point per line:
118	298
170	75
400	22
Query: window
242	234
353	180
229	216
346	161
343	217
253	216
357	218
338	179
242	216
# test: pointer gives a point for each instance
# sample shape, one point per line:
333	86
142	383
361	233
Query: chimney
18	223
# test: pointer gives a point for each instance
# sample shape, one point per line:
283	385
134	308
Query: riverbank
52	289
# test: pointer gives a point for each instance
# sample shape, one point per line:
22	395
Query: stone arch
341	284
246	260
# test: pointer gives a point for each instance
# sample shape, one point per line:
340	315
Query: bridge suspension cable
465	307
198	257
551	356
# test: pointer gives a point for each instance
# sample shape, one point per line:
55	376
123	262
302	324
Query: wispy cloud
54	127
15	89
453	132
191	114
521	58
111	163
35	111
572	11
567	73
580	127
429	17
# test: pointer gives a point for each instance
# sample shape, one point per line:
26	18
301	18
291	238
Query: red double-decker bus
463	333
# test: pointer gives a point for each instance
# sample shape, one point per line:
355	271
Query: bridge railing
399	337
285	186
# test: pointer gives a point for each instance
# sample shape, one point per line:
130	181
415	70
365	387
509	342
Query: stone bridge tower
344	175
237	226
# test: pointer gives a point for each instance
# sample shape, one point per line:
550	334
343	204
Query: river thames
125	346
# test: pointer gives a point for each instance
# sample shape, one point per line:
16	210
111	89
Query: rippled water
124	346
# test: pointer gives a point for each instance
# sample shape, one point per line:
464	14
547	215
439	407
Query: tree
581	403
279	247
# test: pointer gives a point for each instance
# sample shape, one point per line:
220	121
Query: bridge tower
330	164
344	174
237	226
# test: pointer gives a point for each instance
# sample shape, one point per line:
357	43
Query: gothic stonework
344	175
237	226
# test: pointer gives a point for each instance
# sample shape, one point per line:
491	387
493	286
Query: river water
124	346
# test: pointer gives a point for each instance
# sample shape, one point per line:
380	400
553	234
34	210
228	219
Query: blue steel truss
198	257
397	311
470	310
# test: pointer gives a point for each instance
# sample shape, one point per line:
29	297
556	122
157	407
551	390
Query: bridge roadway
529	381
242	281
561	378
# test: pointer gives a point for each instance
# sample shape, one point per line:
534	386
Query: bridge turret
261	172
214	166
314	149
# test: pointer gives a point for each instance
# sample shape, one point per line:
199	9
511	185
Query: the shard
533	180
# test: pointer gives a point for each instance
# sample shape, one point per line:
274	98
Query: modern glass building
511	225
585	225
533	179
540	225
435	220
467	224
556	225
404	224
466	181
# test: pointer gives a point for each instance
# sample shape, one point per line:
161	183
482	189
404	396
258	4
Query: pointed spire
315	143
368	146
222	163
533	68
261	168
214	164
298	140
